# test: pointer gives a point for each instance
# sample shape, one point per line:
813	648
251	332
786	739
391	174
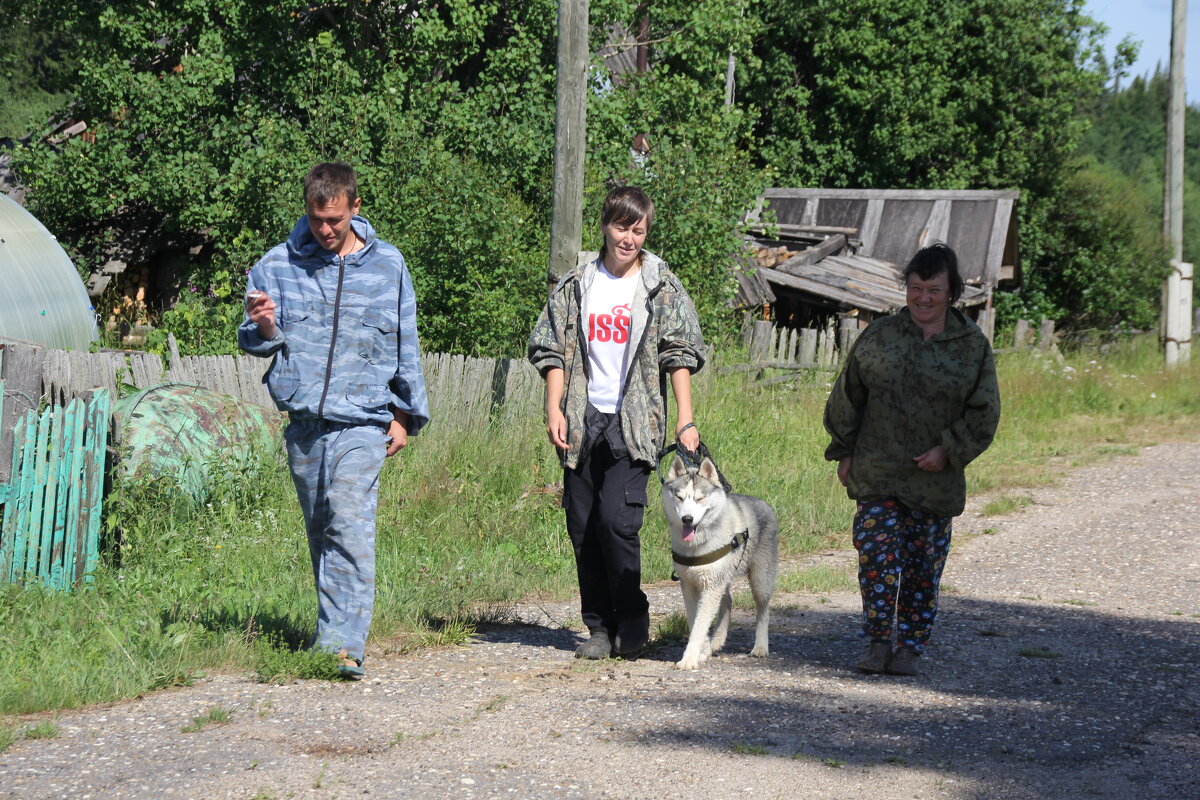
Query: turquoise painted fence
52	501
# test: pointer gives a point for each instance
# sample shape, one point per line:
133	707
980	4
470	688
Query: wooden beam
570	138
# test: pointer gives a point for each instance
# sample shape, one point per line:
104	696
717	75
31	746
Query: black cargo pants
605	500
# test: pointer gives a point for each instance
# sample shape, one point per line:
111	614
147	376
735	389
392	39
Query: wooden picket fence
52	500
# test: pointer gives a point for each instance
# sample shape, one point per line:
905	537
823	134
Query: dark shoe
903	662
597	646
876	659
632	635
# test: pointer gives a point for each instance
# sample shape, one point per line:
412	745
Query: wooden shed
839	251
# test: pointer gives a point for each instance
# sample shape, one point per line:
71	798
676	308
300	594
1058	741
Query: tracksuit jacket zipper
337	310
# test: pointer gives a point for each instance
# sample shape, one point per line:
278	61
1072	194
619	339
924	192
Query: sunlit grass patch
214	716
671	629
1006	504
818	580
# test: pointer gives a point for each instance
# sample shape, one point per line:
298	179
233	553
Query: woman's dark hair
929	262
627	205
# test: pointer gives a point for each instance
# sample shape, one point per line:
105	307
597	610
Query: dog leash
691	458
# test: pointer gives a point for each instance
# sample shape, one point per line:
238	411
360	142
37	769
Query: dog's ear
678	469
708	471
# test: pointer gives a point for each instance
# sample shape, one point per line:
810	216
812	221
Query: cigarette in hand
252	297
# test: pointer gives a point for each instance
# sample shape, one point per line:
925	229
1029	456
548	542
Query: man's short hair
929	262
328	181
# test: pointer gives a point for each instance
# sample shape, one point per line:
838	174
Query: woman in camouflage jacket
916	401
612	332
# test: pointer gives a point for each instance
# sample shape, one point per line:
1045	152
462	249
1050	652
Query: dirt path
1064	666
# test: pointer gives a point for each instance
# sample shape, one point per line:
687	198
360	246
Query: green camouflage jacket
665	333
898	396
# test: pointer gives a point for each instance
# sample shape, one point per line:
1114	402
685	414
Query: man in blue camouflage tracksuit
334	305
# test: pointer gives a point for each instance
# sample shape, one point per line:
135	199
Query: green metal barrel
187	437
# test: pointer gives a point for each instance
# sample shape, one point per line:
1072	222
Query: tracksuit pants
605	501
335	468
901	553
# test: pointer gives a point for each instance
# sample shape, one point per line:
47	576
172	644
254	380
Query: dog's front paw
689	661
760	651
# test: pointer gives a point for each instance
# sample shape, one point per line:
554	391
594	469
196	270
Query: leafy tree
206	116
958	94
33	76
1128	136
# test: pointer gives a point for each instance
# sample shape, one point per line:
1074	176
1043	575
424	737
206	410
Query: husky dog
716	536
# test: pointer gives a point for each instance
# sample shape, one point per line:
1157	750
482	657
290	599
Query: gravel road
1063	666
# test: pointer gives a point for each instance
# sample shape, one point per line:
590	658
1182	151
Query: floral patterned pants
901	553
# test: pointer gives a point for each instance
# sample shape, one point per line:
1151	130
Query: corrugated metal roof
43	299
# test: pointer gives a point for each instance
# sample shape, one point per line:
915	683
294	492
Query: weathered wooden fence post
760	341
1046	335
1021	334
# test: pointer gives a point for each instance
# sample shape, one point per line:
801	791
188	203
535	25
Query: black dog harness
739	540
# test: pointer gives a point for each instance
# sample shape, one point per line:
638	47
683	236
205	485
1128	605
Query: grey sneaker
632	635
903	662
597	646
876	659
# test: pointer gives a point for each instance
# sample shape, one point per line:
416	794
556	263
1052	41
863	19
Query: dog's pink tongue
688	532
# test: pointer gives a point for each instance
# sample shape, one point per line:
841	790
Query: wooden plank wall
464	392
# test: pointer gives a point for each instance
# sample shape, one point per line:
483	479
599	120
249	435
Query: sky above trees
1149	21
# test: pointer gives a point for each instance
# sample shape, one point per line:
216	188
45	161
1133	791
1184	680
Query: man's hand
260	308
399	435
843	470
932	460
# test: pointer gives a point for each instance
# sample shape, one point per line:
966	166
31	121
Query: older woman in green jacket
916	401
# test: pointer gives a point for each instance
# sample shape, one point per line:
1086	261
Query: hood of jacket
302	245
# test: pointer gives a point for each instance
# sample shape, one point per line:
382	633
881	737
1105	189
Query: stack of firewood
768	257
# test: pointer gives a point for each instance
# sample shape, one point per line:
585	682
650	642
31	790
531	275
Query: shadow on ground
1065	700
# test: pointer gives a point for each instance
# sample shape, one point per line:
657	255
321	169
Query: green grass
40	730
818	580
1006	504
671	629
470	522
1038	652
214	716
7	737
742	748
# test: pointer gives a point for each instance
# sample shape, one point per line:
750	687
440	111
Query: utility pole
1177	294
570	137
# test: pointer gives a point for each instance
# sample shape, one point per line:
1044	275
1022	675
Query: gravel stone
1063	666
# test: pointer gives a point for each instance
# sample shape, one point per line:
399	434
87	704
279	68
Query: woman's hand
556	428
689	439
843	471
932	460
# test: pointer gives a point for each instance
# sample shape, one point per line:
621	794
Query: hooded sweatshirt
899	395
345	347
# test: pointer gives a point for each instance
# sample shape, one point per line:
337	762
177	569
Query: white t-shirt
608	304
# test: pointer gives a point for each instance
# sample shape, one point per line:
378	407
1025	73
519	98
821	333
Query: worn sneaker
632	635
903	662
597	645
876	659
